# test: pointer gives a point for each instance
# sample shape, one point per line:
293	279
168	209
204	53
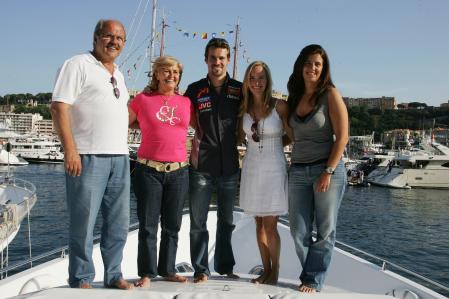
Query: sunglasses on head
254	129
115	88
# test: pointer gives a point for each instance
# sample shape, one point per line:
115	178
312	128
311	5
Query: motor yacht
415	170
38	149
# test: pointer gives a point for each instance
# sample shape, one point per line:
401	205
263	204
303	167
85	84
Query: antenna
236	46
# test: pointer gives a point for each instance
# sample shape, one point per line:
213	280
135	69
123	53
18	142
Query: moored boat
415	170
38	149
8	158
17	198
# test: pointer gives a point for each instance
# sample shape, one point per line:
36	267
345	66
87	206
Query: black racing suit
214	147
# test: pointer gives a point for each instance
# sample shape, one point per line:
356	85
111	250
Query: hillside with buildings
27	113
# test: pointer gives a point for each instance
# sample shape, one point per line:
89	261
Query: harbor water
407	227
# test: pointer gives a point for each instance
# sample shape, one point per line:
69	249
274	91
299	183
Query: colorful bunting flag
204	35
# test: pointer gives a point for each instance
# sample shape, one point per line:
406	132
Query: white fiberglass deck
349	276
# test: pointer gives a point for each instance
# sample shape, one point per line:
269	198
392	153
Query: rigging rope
134	51
138	27
139	71
134	17
129	32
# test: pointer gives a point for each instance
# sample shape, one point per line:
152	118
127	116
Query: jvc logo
205	105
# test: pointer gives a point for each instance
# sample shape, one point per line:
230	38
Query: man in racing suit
214	160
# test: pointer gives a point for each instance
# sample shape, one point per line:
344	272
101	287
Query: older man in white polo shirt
89	109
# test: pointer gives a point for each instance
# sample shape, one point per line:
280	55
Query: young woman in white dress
263	186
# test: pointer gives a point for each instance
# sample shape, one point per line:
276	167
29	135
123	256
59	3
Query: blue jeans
159	195
104	184
307	205
201	188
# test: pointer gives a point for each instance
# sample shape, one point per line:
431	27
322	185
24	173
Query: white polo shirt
99	120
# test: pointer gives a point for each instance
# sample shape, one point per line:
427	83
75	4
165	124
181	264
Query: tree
43	98
43	110
417	105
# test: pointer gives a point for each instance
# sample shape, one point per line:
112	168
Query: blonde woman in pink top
161	179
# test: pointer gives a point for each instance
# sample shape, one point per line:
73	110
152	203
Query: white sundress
263	185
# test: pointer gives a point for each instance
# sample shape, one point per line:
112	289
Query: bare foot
122	284
272	278
306	289
261	278
201	278
232	276
143	282
85	285
176	278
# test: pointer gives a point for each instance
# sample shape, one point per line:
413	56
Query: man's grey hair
99	27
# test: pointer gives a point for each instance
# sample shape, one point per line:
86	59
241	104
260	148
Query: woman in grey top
317	177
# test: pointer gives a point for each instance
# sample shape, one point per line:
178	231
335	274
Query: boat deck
349	276
216	287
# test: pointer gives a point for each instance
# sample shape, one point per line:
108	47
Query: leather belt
161	166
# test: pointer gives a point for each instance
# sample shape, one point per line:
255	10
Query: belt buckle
167	167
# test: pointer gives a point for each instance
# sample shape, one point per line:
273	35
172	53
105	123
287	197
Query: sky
397	48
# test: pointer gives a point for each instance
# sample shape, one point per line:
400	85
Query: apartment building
381	103
45	127
20	123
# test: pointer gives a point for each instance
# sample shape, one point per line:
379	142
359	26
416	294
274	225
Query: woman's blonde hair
161	62
248	96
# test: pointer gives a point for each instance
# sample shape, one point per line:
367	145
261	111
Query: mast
236	46
164	24
153	34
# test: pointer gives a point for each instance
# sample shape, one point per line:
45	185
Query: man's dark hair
217	43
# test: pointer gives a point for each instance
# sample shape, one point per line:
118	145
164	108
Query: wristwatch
329	170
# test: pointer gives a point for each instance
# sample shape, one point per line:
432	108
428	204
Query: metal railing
383	263
62	251
19	183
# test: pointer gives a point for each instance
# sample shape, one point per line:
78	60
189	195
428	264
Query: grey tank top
313	135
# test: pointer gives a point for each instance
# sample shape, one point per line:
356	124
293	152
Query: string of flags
200	35
206	35
134	67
